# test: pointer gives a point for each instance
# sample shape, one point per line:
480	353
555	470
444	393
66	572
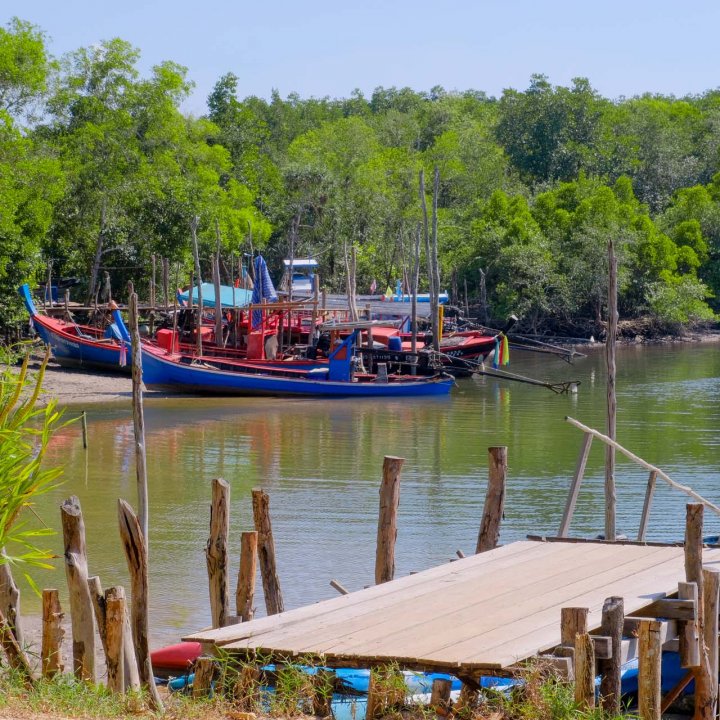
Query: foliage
100	169
26	428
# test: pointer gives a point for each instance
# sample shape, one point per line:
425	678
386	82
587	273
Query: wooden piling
194	224
216	553
246	692
687	629
15	654
610	500
322	693
51	659
494	500
649	671
98	600
613	617
216	288
440	696
387	519
139	420
266	552
10	601
584	672
204	674
245	592
166	283
706	680
83	420
133	542
81	606
114	632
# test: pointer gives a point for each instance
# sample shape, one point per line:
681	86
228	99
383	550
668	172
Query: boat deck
480	614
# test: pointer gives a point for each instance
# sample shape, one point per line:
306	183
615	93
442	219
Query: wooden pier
480	615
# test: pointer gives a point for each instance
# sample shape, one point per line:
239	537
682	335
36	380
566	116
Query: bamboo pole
494	500
649	672
52	634
245	593
414	291
635	458
83	419
584	672
434	266
133	542
139	419
266	552
216	553
387	519
166	283
613	617
610	499
114	632
81	606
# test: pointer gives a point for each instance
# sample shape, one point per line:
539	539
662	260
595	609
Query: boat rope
479	368
635	458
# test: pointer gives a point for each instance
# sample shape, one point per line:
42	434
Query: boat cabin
302	273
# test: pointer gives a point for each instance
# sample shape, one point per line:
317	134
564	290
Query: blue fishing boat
76	345
175	372
230	297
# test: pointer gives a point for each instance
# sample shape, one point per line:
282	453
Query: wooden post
687	630
414	290
83	420
166	283
322	693
246	692
573	621
610	500
613	617
575	485
649	678
387	519
52	634
138	419
98	600
216	553
706	679
194	224
81	607
204	673
584	672
114	632
266	552
133	542
645	517
10	601
216	287
245	593
494	500
15	655
152	281
440	696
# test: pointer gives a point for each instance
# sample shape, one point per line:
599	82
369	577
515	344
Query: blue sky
319	47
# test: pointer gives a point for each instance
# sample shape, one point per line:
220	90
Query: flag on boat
263	290
502	352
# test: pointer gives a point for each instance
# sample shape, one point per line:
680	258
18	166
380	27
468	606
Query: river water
321	463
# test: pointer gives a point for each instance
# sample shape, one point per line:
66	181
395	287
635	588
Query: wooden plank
436	602
466	568
499	613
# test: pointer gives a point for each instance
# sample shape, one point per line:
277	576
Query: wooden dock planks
484	612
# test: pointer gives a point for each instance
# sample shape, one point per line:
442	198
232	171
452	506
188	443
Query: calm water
321	463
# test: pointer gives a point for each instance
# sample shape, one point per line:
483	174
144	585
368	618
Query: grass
238	690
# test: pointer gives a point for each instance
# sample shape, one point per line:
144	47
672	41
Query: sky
328	48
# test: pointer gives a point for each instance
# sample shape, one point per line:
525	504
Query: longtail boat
76	345
175	372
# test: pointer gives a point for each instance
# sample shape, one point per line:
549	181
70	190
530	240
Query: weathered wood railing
655	472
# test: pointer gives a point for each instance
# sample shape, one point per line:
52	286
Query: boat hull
165	372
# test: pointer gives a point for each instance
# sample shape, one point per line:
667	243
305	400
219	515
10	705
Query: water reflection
321	461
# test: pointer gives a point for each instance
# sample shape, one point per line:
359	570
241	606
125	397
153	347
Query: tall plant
26	427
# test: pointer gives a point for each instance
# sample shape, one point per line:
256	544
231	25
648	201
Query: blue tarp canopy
242	297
